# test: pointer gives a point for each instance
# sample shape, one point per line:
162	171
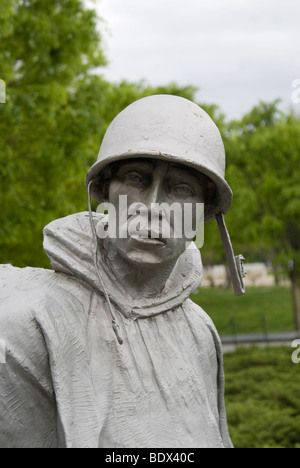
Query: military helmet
169	128
173	129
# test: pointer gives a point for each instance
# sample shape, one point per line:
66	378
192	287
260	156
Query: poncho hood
69	244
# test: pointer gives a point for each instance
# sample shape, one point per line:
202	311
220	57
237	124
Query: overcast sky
236	52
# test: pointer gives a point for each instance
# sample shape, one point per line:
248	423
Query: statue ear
210	194
105	190
102	182
210	190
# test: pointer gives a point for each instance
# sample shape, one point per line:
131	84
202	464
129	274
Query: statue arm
27	403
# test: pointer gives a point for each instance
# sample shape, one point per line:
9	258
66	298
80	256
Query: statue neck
138	280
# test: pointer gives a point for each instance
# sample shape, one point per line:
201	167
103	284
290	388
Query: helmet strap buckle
235	263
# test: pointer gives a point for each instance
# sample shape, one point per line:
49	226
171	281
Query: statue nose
155	193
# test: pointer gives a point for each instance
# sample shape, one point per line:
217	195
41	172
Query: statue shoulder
32	298
200	312
25	294
201	316
22	292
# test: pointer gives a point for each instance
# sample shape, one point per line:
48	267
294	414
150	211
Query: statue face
154	187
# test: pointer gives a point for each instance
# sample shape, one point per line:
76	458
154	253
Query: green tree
46	50
55	116
264	172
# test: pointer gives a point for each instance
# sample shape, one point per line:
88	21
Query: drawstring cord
95	260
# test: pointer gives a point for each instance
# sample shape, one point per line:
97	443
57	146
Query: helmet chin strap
95	260
235	263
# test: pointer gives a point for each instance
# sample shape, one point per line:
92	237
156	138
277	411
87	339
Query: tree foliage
264	172
55	115
46	50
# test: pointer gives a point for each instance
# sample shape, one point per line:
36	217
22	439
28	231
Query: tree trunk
295	293
276	274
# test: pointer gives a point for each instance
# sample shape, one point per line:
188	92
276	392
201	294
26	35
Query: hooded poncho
66	382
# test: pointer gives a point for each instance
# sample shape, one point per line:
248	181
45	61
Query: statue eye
135	177
182	190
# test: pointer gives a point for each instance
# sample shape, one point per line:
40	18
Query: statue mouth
154	240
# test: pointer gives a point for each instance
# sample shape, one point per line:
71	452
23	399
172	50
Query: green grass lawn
262	397
259	306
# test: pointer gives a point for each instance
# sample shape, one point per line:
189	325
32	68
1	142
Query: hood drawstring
115	326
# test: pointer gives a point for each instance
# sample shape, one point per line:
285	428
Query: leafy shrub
262	388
